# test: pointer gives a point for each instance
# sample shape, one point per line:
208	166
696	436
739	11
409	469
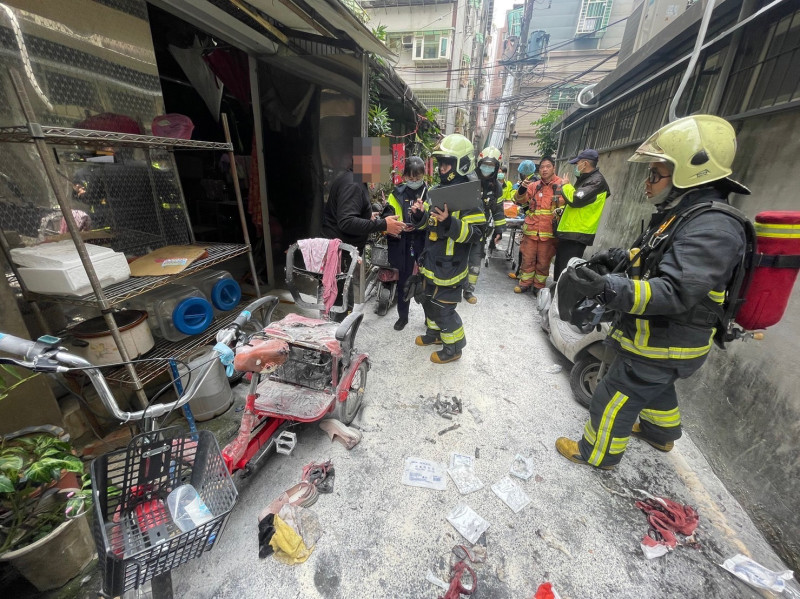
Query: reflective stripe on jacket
444	261
661	316
585	201
541	201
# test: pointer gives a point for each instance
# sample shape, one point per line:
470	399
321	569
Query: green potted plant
37	536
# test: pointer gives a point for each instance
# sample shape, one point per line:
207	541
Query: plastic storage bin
55	268
175	311
208	379
219	287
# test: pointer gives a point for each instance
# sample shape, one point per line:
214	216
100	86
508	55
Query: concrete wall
742	408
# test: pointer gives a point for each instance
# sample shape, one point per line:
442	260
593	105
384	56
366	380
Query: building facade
567	45
440	46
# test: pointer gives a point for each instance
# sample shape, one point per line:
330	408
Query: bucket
207	378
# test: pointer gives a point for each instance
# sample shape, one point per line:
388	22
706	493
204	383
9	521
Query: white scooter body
590	358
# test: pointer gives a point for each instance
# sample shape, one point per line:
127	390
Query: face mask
660	197
577	171
415	184
487	171
501	176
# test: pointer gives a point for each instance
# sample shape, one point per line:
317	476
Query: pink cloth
322	256
314	253
81	219
329	272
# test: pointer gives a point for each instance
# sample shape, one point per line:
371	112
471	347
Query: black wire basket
135	535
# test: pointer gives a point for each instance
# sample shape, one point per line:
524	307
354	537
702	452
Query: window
464	75
431	47
433	98
563	98
514	22
593	17
397	42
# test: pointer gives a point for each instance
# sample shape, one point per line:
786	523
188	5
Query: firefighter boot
569	449
447	354
522	289
426	339
636	431
469	298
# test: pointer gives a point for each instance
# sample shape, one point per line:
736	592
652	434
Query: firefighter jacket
492	196
661	311
540	204
585	201
410	243
348	212
508	191
445	259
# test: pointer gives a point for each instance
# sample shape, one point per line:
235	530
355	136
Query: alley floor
579	531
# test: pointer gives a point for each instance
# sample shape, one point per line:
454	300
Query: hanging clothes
231	67
199	75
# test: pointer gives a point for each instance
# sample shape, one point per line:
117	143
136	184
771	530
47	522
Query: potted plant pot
51	562
39	534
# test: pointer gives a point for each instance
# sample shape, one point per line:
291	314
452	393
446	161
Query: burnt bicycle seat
261	355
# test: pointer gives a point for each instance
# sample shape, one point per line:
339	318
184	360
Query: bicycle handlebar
45	355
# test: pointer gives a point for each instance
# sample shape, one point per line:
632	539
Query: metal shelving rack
106	299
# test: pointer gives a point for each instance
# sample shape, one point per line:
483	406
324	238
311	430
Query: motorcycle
590	357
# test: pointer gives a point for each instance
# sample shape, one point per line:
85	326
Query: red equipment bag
774	269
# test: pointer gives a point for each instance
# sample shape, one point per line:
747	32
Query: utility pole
505	113
520	56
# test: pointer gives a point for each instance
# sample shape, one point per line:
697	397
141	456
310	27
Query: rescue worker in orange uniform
541	200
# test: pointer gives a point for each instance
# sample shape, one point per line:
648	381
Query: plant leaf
10	462
5	484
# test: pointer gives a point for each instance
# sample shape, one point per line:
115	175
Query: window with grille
593	17
563	98
514	22
767	68
465	71
433	98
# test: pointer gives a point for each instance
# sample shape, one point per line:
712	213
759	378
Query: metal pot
93	341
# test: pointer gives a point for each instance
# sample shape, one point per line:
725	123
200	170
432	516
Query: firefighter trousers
441	318
630	389
535	257
477	252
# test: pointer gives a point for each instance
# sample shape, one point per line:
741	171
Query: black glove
412	287
586	281
612	260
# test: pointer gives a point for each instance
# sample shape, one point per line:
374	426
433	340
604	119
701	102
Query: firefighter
541	200
491	194
666	302
444	262
404	248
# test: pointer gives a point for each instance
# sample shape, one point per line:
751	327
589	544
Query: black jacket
348	212
661	317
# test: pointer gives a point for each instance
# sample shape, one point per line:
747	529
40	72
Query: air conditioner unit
408	41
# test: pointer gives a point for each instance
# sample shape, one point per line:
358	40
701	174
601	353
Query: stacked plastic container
175	311
219	287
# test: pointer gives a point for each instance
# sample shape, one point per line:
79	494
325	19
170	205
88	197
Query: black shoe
400	324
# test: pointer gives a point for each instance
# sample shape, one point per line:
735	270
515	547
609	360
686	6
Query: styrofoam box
56	268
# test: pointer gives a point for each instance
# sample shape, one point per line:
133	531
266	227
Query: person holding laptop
444	263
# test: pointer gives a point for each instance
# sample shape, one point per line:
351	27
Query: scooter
385	284
590	357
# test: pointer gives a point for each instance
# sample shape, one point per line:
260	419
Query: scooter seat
261	355
310	333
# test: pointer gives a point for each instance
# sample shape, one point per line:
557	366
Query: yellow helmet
700	147
458	150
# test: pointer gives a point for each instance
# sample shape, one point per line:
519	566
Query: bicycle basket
135	536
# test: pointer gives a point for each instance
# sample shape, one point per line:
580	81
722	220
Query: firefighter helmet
458	150
700	147
489	157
